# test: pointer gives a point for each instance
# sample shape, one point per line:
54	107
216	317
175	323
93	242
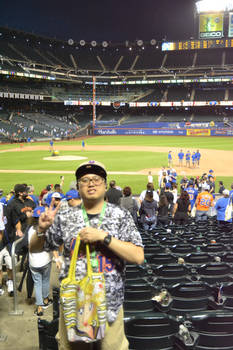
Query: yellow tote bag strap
72	269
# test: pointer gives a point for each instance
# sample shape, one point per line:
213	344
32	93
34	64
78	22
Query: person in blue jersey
187	158
169	158
192	192
181	157
220	206
193	159
231	193
198	157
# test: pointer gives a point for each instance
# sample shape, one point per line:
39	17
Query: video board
211	25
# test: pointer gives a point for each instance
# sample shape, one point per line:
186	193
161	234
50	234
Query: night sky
101	20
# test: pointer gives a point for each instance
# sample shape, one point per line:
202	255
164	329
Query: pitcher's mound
65	158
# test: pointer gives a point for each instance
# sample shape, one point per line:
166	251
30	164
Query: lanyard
85	217
94	260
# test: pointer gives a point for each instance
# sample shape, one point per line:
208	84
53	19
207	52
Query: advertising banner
222	132
211	25
230	28
115	131
198	132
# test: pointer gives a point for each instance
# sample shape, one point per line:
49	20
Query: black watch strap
107	240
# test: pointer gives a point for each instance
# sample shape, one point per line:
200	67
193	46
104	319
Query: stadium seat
169	275
190	297
214	330
215	273
151	332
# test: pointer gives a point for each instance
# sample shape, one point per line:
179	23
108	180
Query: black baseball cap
91	167
21	188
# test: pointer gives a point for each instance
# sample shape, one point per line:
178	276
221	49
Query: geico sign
211	35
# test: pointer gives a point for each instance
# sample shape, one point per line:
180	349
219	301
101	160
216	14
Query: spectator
221	187
73	198
192	192
162	218
32	196
170	197
129	203
220	206
4	255
203	203
181	209
147	212
149	187
18	210
113	195
113	237
40	266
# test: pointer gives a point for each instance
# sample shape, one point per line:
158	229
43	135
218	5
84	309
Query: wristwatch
107	240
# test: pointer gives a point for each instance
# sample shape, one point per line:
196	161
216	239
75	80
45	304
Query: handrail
15	311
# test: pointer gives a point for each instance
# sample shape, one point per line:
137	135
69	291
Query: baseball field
127	159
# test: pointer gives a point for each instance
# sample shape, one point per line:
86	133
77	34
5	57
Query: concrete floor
21	330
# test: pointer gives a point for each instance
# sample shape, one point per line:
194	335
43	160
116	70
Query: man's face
23	195
91	186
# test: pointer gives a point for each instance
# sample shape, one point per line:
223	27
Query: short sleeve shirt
119	223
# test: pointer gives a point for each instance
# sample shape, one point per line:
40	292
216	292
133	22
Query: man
73	198
183	183
192	192
194	159
32	196
113	238
18	210
169	159
181	157
220	206
149	187
204	201
211	183
170	197
187	158
113	195
198	157
162	173
4	255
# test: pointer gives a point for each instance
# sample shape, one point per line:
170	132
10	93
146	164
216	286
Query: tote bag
83	302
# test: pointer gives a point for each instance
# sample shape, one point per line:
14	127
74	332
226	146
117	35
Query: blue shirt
198	155
181	155
192	195
231	195
193	157
220	206
188	156
169	156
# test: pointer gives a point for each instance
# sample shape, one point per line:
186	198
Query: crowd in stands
190	200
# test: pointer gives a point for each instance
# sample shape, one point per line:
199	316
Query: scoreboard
197	44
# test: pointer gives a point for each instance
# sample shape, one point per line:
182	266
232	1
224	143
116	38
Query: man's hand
47	218
91	235
19	233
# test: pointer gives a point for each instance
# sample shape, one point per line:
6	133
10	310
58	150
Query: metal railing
15	311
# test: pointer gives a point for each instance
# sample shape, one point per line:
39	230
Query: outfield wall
165	132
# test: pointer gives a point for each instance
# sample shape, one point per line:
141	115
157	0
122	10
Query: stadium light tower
214	5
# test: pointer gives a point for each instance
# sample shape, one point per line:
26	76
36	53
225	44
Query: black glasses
97	180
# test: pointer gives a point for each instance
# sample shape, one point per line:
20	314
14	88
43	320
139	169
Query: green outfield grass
114	161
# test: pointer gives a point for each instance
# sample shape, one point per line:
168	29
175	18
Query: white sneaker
1	291
10	287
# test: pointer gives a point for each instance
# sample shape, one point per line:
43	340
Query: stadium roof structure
214	5
33	56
